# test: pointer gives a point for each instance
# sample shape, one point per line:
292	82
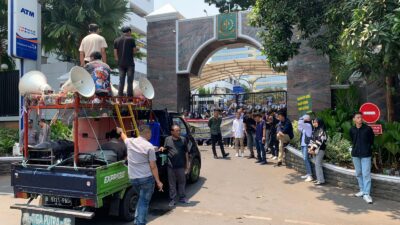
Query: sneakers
367	199
184	201
172	203
309	179
359	194
241	154
237	155
225	155
263	163
318	183
304	177
275	158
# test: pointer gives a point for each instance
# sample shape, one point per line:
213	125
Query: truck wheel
128	205
194	174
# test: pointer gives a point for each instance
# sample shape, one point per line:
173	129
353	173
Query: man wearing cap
92	43
215	128
33	135
124	51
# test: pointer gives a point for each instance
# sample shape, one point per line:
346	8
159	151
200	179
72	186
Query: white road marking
202	212
302	222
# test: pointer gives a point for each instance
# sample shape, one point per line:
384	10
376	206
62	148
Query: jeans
123	73
214	139
176	176
144	188
251	142
363	173
306	160
261	154
318	166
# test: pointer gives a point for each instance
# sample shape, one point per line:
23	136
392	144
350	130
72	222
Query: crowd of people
272	131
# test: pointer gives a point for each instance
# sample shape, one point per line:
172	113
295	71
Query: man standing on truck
142	169
178	164
93	42
215	127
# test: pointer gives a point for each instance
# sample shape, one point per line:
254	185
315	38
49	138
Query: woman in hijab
317	147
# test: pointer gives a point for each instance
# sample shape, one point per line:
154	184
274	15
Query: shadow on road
345	201
158	207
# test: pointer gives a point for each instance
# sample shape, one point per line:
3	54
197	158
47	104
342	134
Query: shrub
60	131
295	142
337	149
8	137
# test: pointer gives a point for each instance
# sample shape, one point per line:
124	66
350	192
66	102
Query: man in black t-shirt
178	164
124	51
250	130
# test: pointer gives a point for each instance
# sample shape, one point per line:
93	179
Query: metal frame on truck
82	188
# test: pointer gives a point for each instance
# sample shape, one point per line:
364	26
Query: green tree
225	5
65	23
372	40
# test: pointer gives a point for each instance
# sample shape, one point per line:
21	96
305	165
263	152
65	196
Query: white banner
201	131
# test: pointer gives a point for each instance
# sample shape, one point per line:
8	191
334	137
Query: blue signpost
238	89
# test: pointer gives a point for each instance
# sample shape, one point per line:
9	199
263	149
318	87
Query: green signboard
227	26
304	104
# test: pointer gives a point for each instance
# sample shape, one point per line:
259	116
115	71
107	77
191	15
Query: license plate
36	218
58	201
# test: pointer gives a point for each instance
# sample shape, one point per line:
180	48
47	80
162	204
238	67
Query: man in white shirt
92	43
238	134
142	170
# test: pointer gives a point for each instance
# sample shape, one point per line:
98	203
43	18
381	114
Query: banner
23	28
304	104
201	131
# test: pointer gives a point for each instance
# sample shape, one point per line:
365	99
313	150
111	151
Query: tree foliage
234	5
65	24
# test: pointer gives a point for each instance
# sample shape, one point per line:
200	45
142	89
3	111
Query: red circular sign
370	112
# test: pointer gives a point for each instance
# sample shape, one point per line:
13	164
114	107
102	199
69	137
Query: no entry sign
370	112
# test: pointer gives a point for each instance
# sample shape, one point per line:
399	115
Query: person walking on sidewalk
305	128
260	140
362	138
215	128
284	134
273	143
142	170
250	131
318	145
178	164
238	134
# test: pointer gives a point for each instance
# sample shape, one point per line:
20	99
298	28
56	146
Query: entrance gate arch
178	48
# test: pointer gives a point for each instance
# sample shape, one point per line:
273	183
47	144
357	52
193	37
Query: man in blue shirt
284	134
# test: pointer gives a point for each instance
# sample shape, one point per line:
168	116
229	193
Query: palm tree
65	23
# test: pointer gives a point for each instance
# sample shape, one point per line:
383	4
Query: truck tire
128	206
194	174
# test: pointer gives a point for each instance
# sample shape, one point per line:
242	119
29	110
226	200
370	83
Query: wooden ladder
131	116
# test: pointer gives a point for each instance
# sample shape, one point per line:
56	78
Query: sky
188	8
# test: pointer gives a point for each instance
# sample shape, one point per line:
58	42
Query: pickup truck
68	191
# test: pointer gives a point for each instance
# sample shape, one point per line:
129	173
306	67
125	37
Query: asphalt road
238	191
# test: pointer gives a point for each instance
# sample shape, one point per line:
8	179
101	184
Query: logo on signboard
227	26
27	12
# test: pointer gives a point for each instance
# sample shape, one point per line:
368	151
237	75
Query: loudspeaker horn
33	82
79	81
146	87
135	86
